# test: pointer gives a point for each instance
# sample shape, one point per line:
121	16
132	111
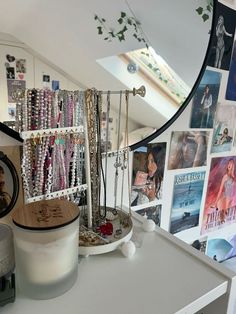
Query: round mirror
109	45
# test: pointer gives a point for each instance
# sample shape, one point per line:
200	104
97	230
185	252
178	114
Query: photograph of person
220	202
205	100
188	149
5	193
223	128
223	36
148	172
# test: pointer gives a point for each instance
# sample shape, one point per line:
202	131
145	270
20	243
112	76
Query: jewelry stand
120	222
102	229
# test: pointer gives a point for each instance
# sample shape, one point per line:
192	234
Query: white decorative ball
149	225
128	249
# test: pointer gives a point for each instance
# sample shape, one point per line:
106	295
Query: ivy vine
127	23
205	11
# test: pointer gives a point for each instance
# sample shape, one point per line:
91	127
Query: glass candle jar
47	257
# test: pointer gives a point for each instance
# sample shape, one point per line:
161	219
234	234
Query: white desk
165	276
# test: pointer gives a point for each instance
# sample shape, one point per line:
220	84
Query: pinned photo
148	173
223	128
55	85
188	149
205	100
187	197
10	73
46	78
223	37
20	66
153	212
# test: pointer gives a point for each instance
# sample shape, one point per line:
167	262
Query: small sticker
46	78
10	58
55	85
10	73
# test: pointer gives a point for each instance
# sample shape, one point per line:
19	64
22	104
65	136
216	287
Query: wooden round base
93	244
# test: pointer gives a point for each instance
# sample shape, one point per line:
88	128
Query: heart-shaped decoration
21	76
10	58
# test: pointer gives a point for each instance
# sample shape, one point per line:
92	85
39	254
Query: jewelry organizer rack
102	228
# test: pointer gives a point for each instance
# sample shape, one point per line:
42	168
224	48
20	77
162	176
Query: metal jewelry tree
104	228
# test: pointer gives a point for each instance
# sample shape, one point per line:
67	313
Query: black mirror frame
148	139
191	94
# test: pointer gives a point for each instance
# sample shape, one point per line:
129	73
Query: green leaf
103	20
112	34
121	37
120	20
150	65
135	35
129	21
199	10
209	8
106	38
123	14
205	17
165	81
95	17
99	30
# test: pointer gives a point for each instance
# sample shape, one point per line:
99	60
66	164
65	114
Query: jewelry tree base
91	243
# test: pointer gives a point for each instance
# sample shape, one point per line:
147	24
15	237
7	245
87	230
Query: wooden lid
46	215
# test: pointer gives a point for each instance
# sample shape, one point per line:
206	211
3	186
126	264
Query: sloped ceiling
65	33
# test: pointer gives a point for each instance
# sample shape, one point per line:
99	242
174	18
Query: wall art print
153	212
188	149
205	100
187	197
223	128
220	202
231	84
148	173
12	86
223	36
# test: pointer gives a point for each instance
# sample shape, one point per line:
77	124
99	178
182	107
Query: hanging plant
205	11
127	23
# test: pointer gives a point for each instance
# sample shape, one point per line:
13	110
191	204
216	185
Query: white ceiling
64	32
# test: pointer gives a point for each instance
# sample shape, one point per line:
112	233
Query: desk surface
163	277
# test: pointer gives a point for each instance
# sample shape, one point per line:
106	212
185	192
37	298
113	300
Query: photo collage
205	199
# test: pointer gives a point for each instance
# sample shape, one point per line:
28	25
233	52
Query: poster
223	128
221	249
148	173
20	66
188	149
12	87
220	202
187	197
205	100
223	36
153	212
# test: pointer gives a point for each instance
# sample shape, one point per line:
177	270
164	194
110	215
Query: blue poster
187	197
